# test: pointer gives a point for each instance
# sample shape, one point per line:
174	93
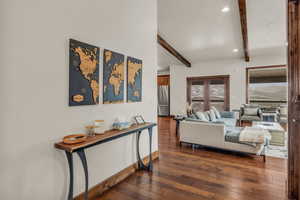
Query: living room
227	80
253	91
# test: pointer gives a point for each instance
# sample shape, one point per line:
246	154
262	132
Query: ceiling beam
172	51
243	18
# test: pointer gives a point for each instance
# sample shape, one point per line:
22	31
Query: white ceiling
200	31
267	25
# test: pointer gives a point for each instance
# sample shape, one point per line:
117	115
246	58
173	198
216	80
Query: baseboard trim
110	182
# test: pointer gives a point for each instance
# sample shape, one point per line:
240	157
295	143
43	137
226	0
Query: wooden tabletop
101	138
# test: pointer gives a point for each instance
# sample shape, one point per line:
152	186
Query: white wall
164	72
235	68
34	90
268	60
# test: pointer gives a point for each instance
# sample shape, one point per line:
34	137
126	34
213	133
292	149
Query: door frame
226	79
294	98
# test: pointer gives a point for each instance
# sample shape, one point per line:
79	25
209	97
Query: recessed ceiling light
225	9
235	50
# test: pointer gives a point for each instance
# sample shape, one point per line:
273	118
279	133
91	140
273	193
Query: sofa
213	134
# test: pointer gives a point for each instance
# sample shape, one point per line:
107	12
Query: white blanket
254	135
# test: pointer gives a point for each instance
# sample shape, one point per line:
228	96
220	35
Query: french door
208	91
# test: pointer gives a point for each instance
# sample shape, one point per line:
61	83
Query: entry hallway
182	173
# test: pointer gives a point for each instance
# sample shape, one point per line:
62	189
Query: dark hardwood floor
185	174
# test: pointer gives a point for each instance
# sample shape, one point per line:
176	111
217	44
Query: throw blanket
254	135
233	135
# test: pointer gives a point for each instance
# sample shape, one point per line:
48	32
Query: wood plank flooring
182	173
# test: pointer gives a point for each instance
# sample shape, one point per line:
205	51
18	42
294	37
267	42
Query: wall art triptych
84	76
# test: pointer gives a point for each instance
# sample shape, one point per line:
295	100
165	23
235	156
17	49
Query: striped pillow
218	115
201	116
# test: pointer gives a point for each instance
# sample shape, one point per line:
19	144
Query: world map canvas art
83	74
134	79
113	77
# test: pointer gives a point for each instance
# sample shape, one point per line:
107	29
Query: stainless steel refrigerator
163	100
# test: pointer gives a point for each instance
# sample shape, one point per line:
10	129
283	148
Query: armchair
250	113
283	114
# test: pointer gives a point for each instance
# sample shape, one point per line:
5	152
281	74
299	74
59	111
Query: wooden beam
173	51
243	18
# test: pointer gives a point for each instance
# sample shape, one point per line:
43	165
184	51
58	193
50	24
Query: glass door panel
205	92
198	96
217	94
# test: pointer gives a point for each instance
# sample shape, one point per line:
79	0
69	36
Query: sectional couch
216	134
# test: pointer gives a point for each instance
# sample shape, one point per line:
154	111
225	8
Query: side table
178	119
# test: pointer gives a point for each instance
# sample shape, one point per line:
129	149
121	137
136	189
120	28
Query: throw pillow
201	116
212	115
251	111
218	115
193	116
207	115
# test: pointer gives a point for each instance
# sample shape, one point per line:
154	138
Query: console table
100	139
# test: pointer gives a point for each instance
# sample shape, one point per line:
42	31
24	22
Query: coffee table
276	131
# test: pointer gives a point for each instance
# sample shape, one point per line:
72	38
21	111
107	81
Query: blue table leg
70	162
141	165
82	157
150	166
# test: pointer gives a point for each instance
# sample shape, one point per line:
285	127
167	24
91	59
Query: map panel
83	74
113	77
134	79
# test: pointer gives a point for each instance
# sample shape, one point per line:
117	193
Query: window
205	92
197	95
267	86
